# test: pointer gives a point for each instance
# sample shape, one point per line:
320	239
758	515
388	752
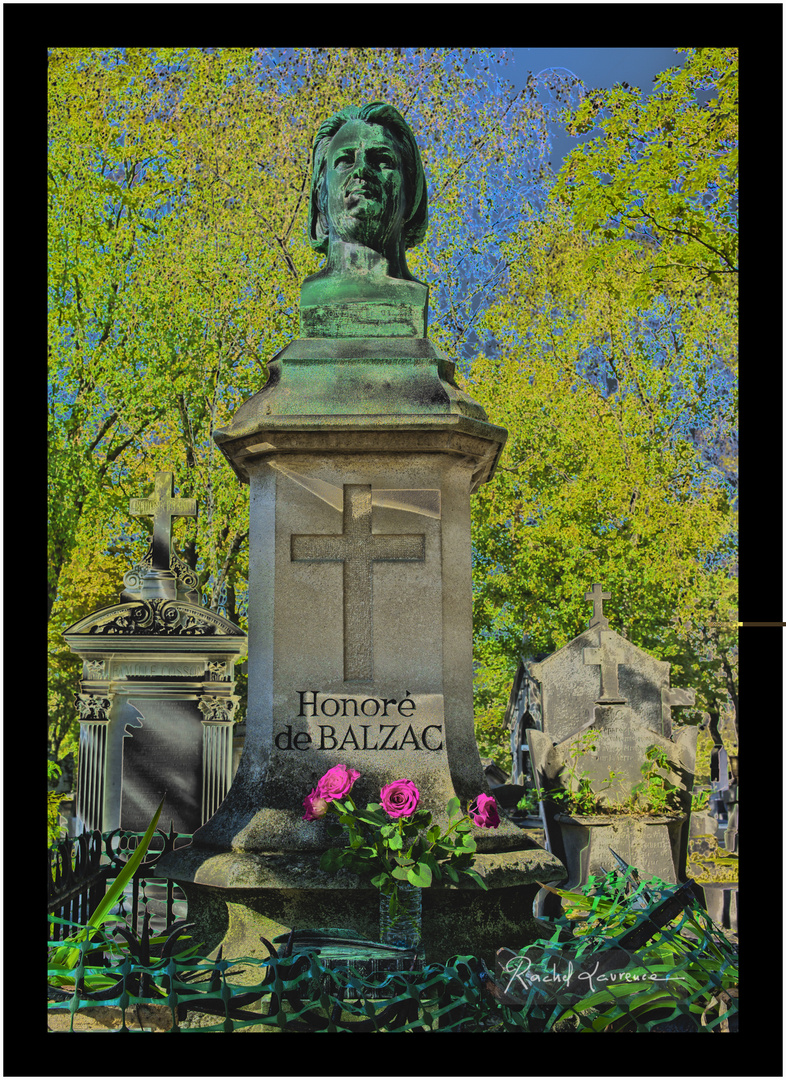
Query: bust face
365	191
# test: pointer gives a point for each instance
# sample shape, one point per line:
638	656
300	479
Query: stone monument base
457	920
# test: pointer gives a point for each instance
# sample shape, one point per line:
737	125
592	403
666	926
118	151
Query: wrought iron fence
77	880
81	868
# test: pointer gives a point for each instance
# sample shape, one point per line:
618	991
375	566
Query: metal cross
162	507
597	596
358	549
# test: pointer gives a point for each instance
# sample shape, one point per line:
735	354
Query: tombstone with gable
604	703
156	700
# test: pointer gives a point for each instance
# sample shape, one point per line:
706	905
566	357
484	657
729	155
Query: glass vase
403	928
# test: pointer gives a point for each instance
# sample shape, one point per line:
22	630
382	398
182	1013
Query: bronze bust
368	205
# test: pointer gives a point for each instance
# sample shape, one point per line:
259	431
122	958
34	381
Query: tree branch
107	424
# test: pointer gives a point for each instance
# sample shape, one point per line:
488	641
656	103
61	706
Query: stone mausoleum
156	701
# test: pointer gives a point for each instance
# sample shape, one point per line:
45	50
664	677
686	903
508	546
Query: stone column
92	770
217	728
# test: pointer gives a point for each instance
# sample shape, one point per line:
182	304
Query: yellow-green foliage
613	370
178	192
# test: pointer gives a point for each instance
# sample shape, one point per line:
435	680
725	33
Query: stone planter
586	845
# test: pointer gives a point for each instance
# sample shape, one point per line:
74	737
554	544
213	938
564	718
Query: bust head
367	186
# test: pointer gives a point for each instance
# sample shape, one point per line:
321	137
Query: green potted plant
590	817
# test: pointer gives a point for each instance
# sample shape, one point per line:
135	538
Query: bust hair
386	116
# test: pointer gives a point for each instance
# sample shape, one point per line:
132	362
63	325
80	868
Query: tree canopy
178	190
613	368
592	313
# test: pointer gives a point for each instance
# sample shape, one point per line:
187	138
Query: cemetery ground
200	995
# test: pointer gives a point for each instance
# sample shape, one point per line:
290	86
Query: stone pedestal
361	457
454	923
649	841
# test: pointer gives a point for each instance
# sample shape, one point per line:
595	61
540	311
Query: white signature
519	969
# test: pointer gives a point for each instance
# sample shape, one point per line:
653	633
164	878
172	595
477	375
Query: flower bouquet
393	840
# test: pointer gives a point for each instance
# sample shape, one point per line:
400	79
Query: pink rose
400	798
483	812
316	807
336	783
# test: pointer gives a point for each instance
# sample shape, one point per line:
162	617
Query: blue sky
597	68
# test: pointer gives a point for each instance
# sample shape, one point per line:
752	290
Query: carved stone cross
597	596
162	507
609	661
358	549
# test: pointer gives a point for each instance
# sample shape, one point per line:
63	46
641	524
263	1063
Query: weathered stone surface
650	844
621	747
157	713
412	714
110	1018
572	681
656	845
455	920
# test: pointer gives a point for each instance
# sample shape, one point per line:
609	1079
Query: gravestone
156	701
619	697
602	666
361	454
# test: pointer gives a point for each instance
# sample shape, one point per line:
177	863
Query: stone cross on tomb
358	549
609	659
597	596
162	507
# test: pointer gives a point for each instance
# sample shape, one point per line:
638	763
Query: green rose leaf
419	875
330	861
476	878
427	859
454	807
